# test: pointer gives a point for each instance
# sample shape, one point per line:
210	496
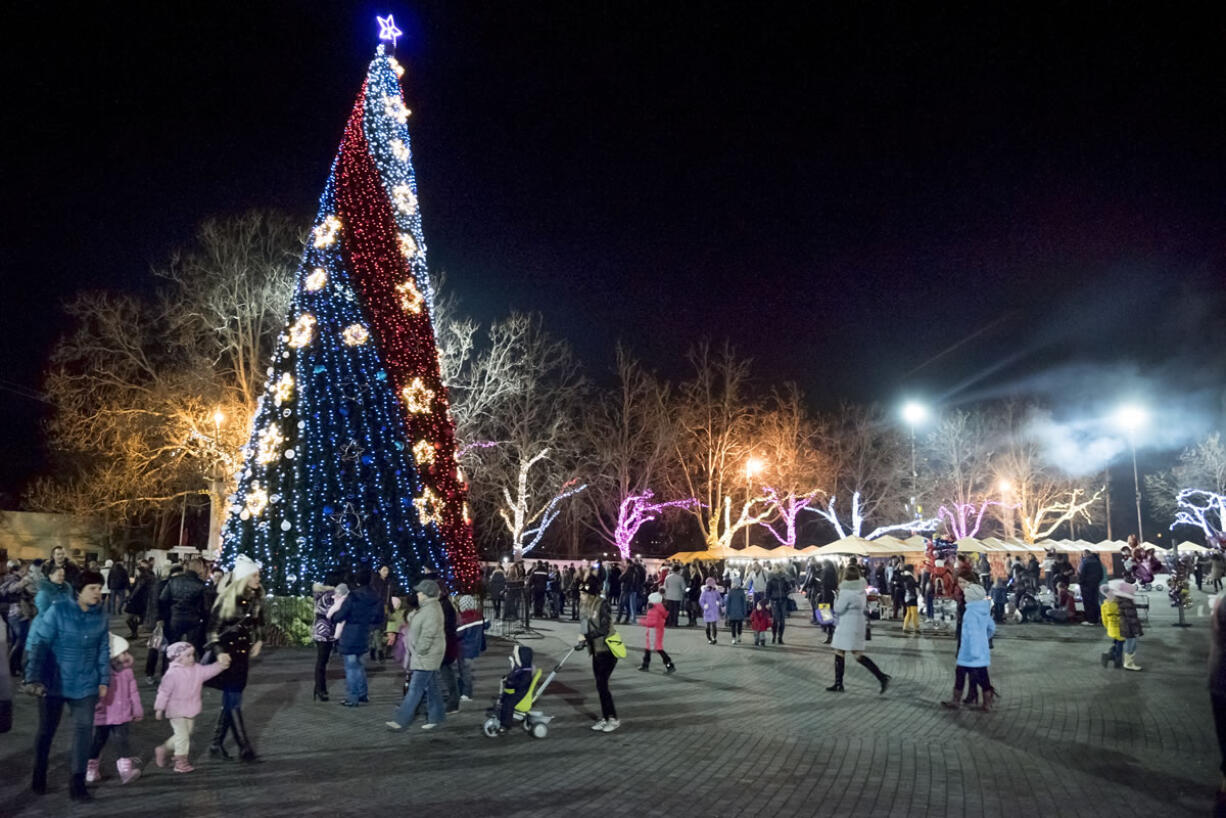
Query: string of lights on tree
352	457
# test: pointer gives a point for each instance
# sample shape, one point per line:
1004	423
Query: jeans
1130	645
464	668
779	616
603	663
231	698
421	683
735	626
450	686
118	599
355	678
628	608
19	627
50	708
102	732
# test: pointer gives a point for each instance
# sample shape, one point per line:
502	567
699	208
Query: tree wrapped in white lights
1205	510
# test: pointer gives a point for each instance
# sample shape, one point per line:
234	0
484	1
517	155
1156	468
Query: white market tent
856	546
1188	545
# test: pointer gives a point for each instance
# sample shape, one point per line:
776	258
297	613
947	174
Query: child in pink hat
113	713
179	700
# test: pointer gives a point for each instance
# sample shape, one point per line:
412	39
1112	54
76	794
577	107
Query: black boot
669	667
77	790
38	783
829	635
840	665
876	671
781	627
217	748
646	661
245	751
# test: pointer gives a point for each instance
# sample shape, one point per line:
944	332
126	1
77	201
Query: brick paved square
737	730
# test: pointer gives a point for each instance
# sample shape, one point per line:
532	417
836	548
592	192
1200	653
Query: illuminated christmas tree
351	458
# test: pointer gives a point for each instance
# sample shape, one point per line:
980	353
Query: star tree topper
388	30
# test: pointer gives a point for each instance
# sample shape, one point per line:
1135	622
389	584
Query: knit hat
341	590
467	603
244	567
119	645
973	592
108	564
178	649
427	587
710	582
655	598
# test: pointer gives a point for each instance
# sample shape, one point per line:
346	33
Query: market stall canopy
848	545
1188	545
915	541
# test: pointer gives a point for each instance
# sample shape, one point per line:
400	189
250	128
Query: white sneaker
465	698
429	726
394	726
611	725
600	726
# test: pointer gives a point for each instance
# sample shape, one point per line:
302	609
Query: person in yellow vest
1110	613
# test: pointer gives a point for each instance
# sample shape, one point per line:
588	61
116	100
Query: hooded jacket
122	702
360	611
736	606
710	600
849	608
179	692
977	629
426	635
69	650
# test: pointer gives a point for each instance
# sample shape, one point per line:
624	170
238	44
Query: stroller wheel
540	731
491	727
528	725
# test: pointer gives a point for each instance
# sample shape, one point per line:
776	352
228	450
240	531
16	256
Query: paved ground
736	731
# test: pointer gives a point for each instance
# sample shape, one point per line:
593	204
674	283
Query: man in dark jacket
777	588
69	664
1090	577
360	611
540	579
118	582
59	559
182	609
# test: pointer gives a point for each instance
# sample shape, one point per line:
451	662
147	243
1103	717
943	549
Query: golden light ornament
394	107
400	150
327	231
257	500
303	331
410	298
283	389
268	448
396	66
355	335
316	280
417	397
429	508
423	453
408	246
467	518
404	199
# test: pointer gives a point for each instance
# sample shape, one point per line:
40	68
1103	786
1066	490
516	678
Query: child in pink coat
120	706
179	700
653	623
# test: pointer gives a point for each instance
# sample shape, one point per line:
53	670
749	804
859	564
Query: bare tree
796	469
715	423
958	477
152	395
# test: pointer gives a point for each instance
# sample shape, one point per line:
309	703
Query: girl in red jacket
657	615
760	622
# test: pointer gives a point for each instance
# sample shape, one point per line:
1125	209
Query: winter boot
840	664
245	751
1107	658
989	699
92	772
646	666
829	635
955	702
159	755
128	771
217	747
38	782
77	790
182	765
1130	662
876	671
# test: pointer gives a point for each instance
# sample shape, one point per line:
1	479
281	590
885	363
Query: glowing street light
1131	418
753	467
914	414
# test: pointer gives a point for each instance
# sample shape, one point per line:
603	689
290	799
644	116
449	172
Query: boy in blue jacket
975	651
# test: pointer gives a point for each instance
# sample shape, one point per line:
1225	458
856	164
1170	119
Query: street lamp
914	413
214	542
753	467
1130	418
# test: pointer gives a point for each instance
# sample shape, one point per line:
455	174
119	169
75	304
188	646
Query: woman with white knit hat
236	628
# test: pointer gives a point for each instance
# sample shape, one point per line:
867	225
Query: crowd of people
204	628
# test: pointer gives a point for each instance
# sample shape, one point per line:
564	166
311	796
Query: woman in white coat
849	631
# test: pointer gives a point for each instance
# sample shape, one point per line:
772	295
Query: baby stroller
519	694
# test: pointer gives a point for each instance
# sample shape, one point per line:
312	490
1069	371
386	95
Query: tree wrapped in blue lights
351	457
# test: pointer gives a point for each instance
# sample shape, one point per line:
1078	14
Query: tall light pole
214	542
914	414
753	466
1131	418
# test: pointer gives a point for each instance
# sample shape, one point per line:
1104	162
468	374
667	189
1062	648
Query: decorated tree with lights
352	455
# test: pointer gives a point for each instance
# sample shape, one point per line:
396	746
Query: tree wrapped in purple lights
789	507
635	511
964	519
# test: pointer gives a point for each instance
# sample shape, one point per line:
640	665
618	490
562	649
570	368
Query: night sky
845	195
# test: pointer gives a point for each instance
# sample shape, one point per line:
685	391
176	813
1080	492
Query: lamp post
214	545
1131	418
914	414
753	466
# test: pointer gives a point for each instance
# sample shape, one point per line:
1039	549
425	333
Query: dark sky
845	195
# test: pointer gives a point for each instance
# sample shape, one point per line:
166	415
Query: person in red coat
760	622
657	616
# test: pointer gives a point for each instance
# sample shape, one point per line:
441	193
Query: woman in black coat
236	628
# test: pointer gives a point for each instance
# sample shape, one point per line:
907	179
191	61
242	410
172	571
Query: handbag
616	645
157	639
825	616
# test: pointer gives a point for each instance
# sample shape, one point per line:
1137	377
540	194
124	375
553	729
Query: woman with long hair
849	633
595	625
236	628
